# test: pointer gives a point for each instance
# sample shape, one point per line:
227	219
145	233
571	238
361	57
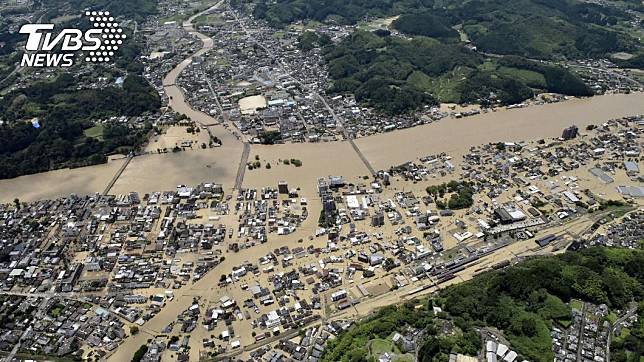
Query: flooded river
454	136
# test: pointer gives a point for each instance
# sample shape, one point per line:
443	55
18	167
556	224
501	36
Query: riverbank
454	136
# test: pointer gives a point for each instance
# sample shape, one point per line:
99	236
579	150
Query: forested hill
124	9
397	75
534	28
65	113
282	12
523	302
53	123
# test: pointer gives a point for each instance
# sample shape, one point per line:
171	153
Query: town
280	264
275	271
267	87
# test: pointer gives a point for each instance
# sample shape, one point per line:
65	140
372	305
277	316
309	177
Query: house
339	295
632	168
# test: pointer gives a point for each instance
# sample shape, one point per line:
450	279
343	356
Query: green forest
68	135
125	9
397	75
64	114
425	24
283	12
433	64
544	29
523	301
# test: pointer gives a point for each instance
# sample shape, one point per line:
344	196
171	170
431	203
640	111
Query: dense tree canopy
522	301
398	75
531	28
126	9
425	24
63	114
282	12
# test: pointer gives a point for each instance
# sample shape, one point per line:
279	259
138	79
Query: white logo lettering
98	44
33	42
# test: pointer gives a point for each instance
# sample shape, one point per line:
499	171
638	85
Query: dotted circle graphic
111	36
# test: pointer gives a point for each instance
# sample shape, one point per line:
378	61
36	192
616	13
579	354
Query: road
608	71
208	282
210	293
596	69
60	295
413	291
286	69
118	174
632	309
241	171
13	72
18	68
16	348
179	103
580	343
339	123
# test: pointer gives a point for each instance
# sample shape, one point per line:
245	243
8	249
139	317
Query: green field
611	317
445	87
379	346
530	78
95	132
179	18
208	19
577	304
625	332
397	75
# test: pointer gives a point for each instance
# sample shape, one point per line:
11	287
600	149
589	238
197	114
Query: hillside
124	9
544	29
397	75
67	105
64	113
523	302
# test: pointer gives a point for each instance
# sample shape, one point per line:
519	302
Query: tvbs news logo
48	48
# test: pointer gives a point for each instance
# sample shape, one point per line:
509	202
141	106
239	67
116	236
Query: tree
140	353
16	202
296	162
526	327
389	264
66	113
424	24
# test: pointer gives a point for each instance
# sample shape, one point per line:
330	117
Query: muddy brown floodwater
456	136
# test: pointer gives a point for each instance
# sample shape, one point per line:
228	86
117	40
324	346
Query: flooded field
52	184
318	160
455	136
250	105
155	172
177	136
164	172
